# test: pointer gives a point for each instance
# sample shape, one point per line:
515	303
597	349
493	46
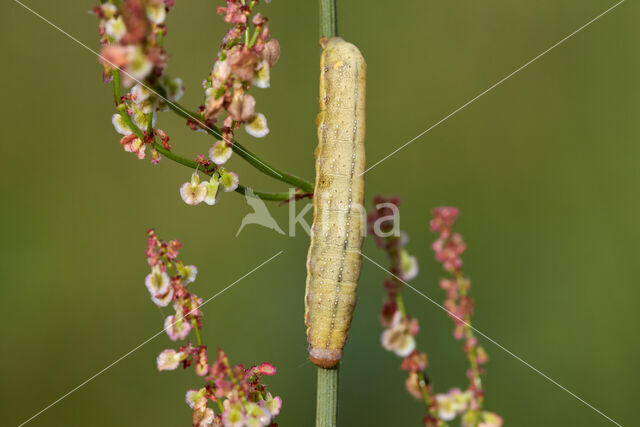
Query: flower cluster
167	283
242	400
400	329
245	59
448	248
131	38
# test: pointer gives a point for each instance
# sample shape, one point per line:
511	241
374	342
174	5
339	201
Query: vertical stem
327	394
327	398
328	18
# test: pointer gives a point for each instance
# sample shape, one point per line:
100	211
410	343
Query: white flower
203	417
446	409
188	273
120	125
138	66
229	180
256	415
140	93
196	398
169	360
163	300
397	337
408	265
177	327
261	77
220	152
157	281
115	28
212	191
156	13
233	414
490	419
108	10
193	192
273	404
141	118
257	125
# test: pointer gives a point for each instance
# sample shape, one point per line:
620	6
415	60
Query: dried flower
242	106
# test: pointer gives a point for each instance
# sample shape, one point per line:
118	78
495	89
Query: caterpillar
333	261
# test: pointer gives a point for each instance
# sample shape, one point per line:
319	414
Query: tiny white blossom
273	404
120	125
262	76
257	125
256	415
163	300
169	360
138	67
212	191
157	281
140	93
188	273
108	10
193	192
196	398
397	337
177	327
141	118
408	265
156	13
229	180
446	409
115	28
220	152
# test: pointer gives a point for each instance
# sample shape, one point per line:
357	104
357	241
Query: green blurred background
544	169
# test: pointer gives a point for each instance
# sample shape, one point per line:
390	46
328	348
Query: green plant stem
240	150
328	18
194	322
327	397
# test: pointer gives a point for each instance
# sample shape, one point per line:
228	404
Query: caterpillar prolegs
333	261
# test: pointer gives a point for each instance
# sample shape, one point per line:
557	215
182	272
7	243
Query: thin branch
264	195
122	110
240	150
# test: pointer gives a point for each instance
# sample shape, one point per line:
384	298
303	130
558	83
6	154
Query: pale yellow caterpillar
333	262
